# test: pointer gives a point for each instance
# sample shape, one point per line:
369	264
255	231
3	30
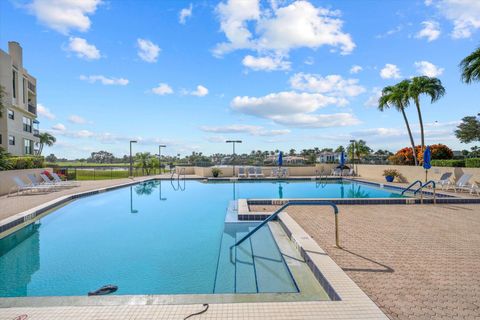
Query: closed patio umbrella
427	157
280	158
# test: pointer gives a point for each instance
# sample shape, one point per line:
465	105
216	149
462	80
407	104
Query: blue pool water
155	238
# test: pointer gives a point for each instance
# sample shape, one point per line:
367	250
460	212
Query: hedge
472	163
25	162
448	163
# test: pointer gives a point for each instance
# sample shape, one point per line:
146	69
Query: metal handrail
182	172
410	186
296	203
423	186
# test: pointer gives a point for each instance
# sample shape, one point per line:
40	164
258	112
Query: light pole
131	163
353	154
160	157
233	156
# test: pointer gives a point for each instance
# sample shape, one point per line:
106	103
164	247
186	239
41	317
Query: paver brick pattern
413	261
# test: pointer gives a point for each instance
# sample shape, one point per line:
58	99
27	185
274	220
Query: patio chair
57	179
47	181
444	179
241	172
21	186
251	172
274	172
336	172
259	172
461	183
345	172
284	172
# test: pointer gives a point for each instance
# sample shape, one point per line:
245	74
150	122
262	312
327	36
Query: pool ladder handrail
179	174
296	203
423	186
411	186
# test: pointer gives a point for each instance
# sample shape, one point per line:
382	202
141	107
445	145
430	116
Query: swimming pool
166	237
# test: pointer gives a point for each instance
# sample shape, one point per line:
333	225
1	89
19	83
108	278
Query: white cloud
372	100
294	109
379	132
266	63
105	80
431	30
397	29
249	129
184	14
465	15
45	112
77	119
162	89
428	69
83	49
390	71
59	127
216	139
84	134
309	61
64	15
147	50
356	69
333	85
201	91
247	26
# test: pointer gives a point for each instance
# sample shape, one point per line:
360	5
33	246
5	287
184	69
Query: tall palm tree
471	67
397	97
431	87
45	139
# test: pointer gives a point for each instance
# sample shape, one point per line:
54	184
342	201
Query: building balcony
36	133
32	109
31	87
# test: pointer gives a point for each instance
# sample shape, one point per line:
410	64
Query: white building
17	133
330	157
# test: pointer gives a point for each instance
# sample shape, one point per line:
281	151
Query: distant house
293	160
330	157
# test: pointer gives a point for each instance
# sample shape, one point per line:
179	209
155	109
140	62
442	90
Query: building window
28	146
14	83
11	114
11	140
24	87
27	124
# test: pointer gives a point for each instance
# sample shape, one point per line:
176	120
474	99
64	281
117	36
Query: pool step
225	275
245	277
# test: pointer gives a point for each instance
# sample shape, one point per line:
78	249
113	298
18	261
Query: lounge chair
274	172
259	172
21	186
251	172
57	179
284	172
346	172
336	172
461	183
47	181
241	172
444	180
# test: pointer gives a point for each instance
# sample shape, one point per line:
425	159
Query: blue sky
276	74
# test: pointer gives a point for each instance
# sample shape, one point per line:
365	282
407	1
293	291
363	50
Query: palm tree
433	88
397	97
471	67
45	139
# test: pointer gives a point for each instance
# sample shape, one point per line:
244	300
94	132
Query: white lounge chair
274	172
21	186
444	180
259	172
283	172
47	181
461	183
251	172
57	179
241	172
336	172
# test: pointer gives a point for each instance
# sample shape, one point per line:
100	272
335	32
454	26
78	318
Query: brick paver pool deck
413	261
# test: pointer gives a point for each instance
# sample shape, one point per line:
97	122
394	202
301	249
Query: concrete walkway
413	261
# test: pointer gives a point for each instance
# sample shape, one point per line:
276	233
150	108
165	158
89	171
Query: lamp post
131	163
233	156
353	154
160	157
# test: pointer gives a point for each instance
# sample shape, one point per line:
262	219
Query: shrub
5	163
391	172
405	156
26	162
448	163
472	163
216	172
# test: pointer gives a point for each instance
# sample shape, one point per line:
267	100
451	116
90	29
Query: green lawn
99	174
84	164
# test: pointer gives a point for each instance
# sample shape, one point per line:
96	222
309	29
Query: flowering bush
47	173
405	156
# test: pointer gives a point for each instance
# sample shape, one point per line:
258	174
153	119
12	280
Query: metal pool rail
411	185
423	186
296	203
